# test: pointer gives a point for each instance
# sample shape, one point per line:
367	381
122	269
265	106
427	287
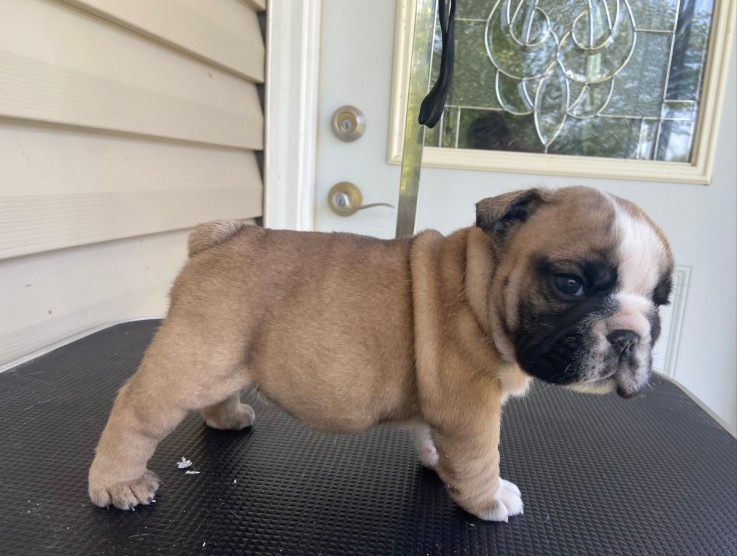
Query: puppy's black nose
623	341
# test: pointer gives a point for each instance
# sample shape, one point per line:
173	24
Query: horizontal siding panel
36	224
51	296
45	160
63	187
225	33
34	90
63	66
61	35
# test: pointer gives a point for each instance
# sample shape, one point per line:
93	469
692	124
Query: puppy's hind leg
173	379
138	422
230	414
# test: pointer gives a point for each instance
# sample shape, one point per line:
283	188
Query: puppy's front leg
468	464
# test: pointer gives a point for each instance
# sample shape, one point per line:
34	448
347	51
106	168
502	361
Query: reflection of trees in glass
623	117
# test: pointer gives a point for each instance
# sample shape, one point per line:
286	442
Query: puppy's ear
499	215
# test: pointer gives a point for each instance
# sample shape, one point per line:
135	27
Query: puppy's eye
569	285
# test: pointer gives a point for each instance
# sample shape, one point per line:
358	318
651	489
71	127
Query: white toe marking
507	503
425	446
509	495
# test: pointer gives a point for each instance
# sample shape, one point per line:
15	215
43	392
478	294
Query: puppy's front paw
124	495
507	503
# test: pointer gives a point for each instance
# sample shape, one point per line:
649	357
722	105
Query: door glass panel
605	78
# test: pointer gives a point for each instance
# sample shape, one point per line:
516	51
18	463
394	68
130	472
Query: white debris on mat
184	463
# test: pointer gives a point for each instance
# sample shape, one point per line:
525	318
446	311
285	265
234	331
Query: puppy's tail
210	234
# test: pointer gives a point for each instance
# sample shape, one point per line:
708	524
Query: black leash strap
433	104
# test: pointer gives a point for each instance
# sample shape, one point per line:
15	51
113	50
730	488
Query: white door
356	69
697	348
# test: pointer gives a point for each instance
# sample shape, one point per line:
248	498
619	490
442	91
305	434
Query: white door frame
291	111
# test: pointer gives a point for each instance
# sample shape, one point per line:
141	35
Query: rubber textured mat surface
599	475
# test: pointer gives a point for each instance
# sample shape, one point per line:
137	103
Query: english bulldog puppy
345	332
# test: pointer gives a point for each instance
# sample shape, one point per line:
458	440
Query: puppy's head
579	278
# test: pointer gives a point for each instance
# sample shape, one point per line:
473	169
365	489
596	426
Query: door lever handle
345	199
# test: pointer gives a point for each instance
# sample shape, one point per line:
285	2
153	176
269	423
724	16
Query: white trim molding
681	280
292	84
698	171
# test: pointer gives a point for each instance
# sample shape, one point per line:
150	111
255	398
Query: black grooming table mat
599	475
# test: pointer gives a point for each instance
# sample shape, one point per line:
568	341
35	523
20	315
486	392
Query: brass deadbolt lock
349	123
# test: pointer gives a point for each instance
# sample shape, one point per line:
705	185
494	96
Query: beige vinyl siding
68	187
123	123
217	32
61	293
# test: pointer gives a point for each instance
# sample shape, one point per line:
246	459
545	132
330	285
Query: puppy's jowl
563	285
